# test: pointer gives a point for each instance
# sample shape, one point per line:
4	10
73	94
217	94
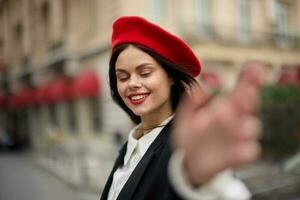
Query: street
21	179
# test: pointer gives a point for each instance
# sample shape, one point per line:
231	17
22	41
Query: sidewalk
267	181
21	179
82	169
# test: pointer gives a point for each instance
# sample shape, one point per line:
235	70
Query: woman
150	70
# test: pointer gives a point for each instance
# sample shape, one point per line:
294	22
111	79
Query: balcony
57	52
195	32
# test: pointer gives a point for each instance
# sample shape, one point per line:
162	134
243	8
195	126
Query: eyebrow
137	67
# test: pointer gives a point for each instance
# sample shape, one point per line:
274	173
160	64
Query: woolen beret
134	29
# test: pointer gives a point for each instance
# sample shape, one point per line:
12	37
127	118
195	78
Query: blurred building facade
54	55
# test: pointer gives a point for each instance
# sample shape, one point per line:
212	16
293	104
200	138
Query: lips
137	99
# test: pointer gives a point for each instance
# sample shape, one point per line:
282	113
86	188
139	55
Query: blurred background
56	113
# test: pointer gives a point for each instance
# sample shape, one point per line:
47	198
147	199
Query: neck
150	122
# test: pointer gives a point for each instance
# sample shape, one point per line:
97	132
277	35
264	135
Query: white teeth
138	97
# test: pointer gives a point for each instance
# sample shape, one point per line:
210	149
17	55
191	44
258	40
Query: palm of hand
221	133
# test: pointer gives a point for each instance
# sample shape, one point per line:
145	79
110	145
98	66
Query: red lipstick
138	98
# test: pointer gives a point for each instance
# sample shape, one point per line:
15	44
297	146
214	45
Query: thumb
194	98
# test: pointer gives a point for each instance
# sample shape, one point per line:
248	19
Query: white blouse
134	153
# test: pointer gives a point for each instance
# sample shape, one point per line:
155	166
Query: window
72	120
53	116
203	16
282	22
45	15
26	63
18	34
244	20
157	10
1	49
88	18
65	10
94	109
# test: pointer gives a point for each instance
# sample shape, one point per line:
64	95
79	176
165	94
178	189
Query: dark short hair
182	80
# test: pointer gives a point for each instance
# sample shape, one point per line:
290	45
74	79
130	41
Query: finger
246	129
253	73
225	115
199	95
251	128
184	114
245	95
245	153
240	128
245	98
193	99
234	127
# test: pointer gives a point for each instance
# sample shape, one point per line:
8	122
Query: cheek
121	89
163	85
161	91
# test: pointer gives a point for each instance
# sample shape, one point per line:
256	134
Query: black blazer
149	180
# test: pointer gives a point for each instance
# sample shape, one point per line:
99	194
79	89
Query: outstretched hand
222	132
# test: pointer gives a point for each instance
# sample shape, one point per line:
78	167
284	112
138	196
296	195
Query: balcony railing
237	36
57	52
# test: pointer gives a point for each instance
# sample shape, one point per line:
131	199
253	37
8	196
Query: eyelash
122	79
146	74
143	74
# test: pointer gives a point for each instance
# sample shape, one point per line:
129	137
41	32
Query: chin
140	112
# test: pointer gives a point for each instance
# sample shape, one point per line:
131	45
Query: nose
134	83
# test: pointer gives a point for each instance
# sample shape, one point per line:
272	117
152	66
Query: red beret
134	29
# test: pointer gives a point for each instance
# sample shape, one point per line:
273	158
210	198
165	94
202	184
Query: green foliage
280	115
274	94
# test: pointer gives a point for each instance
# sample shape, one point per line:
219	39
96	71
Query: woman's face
142	83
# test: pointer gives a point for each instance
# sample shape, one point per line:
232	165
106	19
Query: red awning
2	67
62	90
86	85
2	101
22	98
211	79
27	96
43	94
13	101
289	77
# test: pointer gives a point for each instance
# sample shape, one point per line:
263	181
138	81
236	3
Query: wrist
221	186
193	175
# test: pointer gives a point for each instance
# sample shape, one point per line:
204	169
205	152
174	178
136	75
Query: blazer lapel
133	181
118	163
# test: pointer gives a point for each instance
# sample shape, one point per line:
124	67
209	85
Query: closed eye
122	77
146	74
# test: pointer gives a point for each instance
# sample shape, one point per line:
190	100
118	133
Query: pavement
267	181
22	179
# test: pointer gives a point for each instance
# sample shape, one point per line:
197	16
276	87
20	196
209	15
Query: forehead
133	57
